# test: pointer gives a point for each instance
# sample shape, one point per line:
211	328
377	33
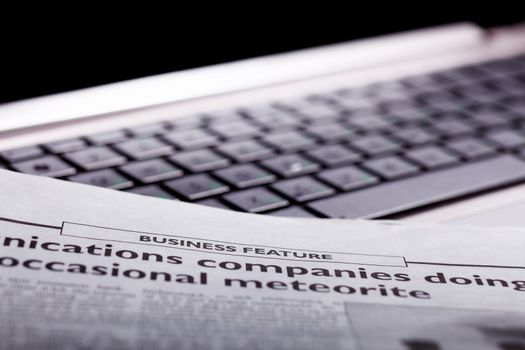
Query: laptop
422	124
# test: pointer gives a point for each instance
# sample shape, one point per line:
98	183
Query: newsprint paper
89	268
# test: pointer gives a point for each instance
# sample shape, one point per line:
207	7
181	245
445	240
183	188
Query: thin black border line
226	254
30	223
466	265
213	240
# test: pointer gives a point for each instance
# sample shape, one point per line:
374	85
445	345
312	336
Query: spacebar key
394	197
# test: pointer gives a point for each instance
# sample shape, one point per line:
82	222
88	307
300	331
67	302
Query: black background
48	59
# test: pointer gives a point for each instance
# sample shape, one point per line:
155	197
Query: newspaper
90	268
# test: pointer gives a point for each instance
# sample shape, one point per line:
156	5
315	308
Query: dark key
415	136
411	116
255	200
200	160
152	191
152	170
223	117
263	110
428	188
506	139
46	166
452	128
63	146
504	66
320	115
291	165
480	93
334	155
235	130
143	148
96	158
108	178
348	178
197	186
246	151
303	189
22	153
191	139
212	202
333	132
148	130
369	123
421	345
245	175
187	123
289	141
277	121
432	157
426	82
398	106
509	85
517	105
375	145
107	138
294	105
391	167
295	212
471	148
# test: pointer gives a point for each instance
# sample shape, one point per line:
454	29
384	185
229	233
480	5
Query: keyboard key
398	106
223	117
22	153
452	128
245	151
334	155
480	93
471	148
107	138
63	146
417	191
45	166
369	123
432	157
375	145
415	136
391	167
291	165
212	202
143	148
506	139
235	130
187	123
200	160
152	191
108	178
191	139
289	141
197	186
333	132
148	130
303	189
245	175
255	200
295	212
489	117
277	121
412	116
348	178
95	158
320	115
153	170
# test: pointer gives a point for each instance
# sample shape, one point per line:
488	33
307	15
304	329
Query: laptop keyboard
360	152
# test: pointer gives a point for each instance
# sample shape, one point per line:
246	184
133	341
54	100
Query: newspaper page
90	268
